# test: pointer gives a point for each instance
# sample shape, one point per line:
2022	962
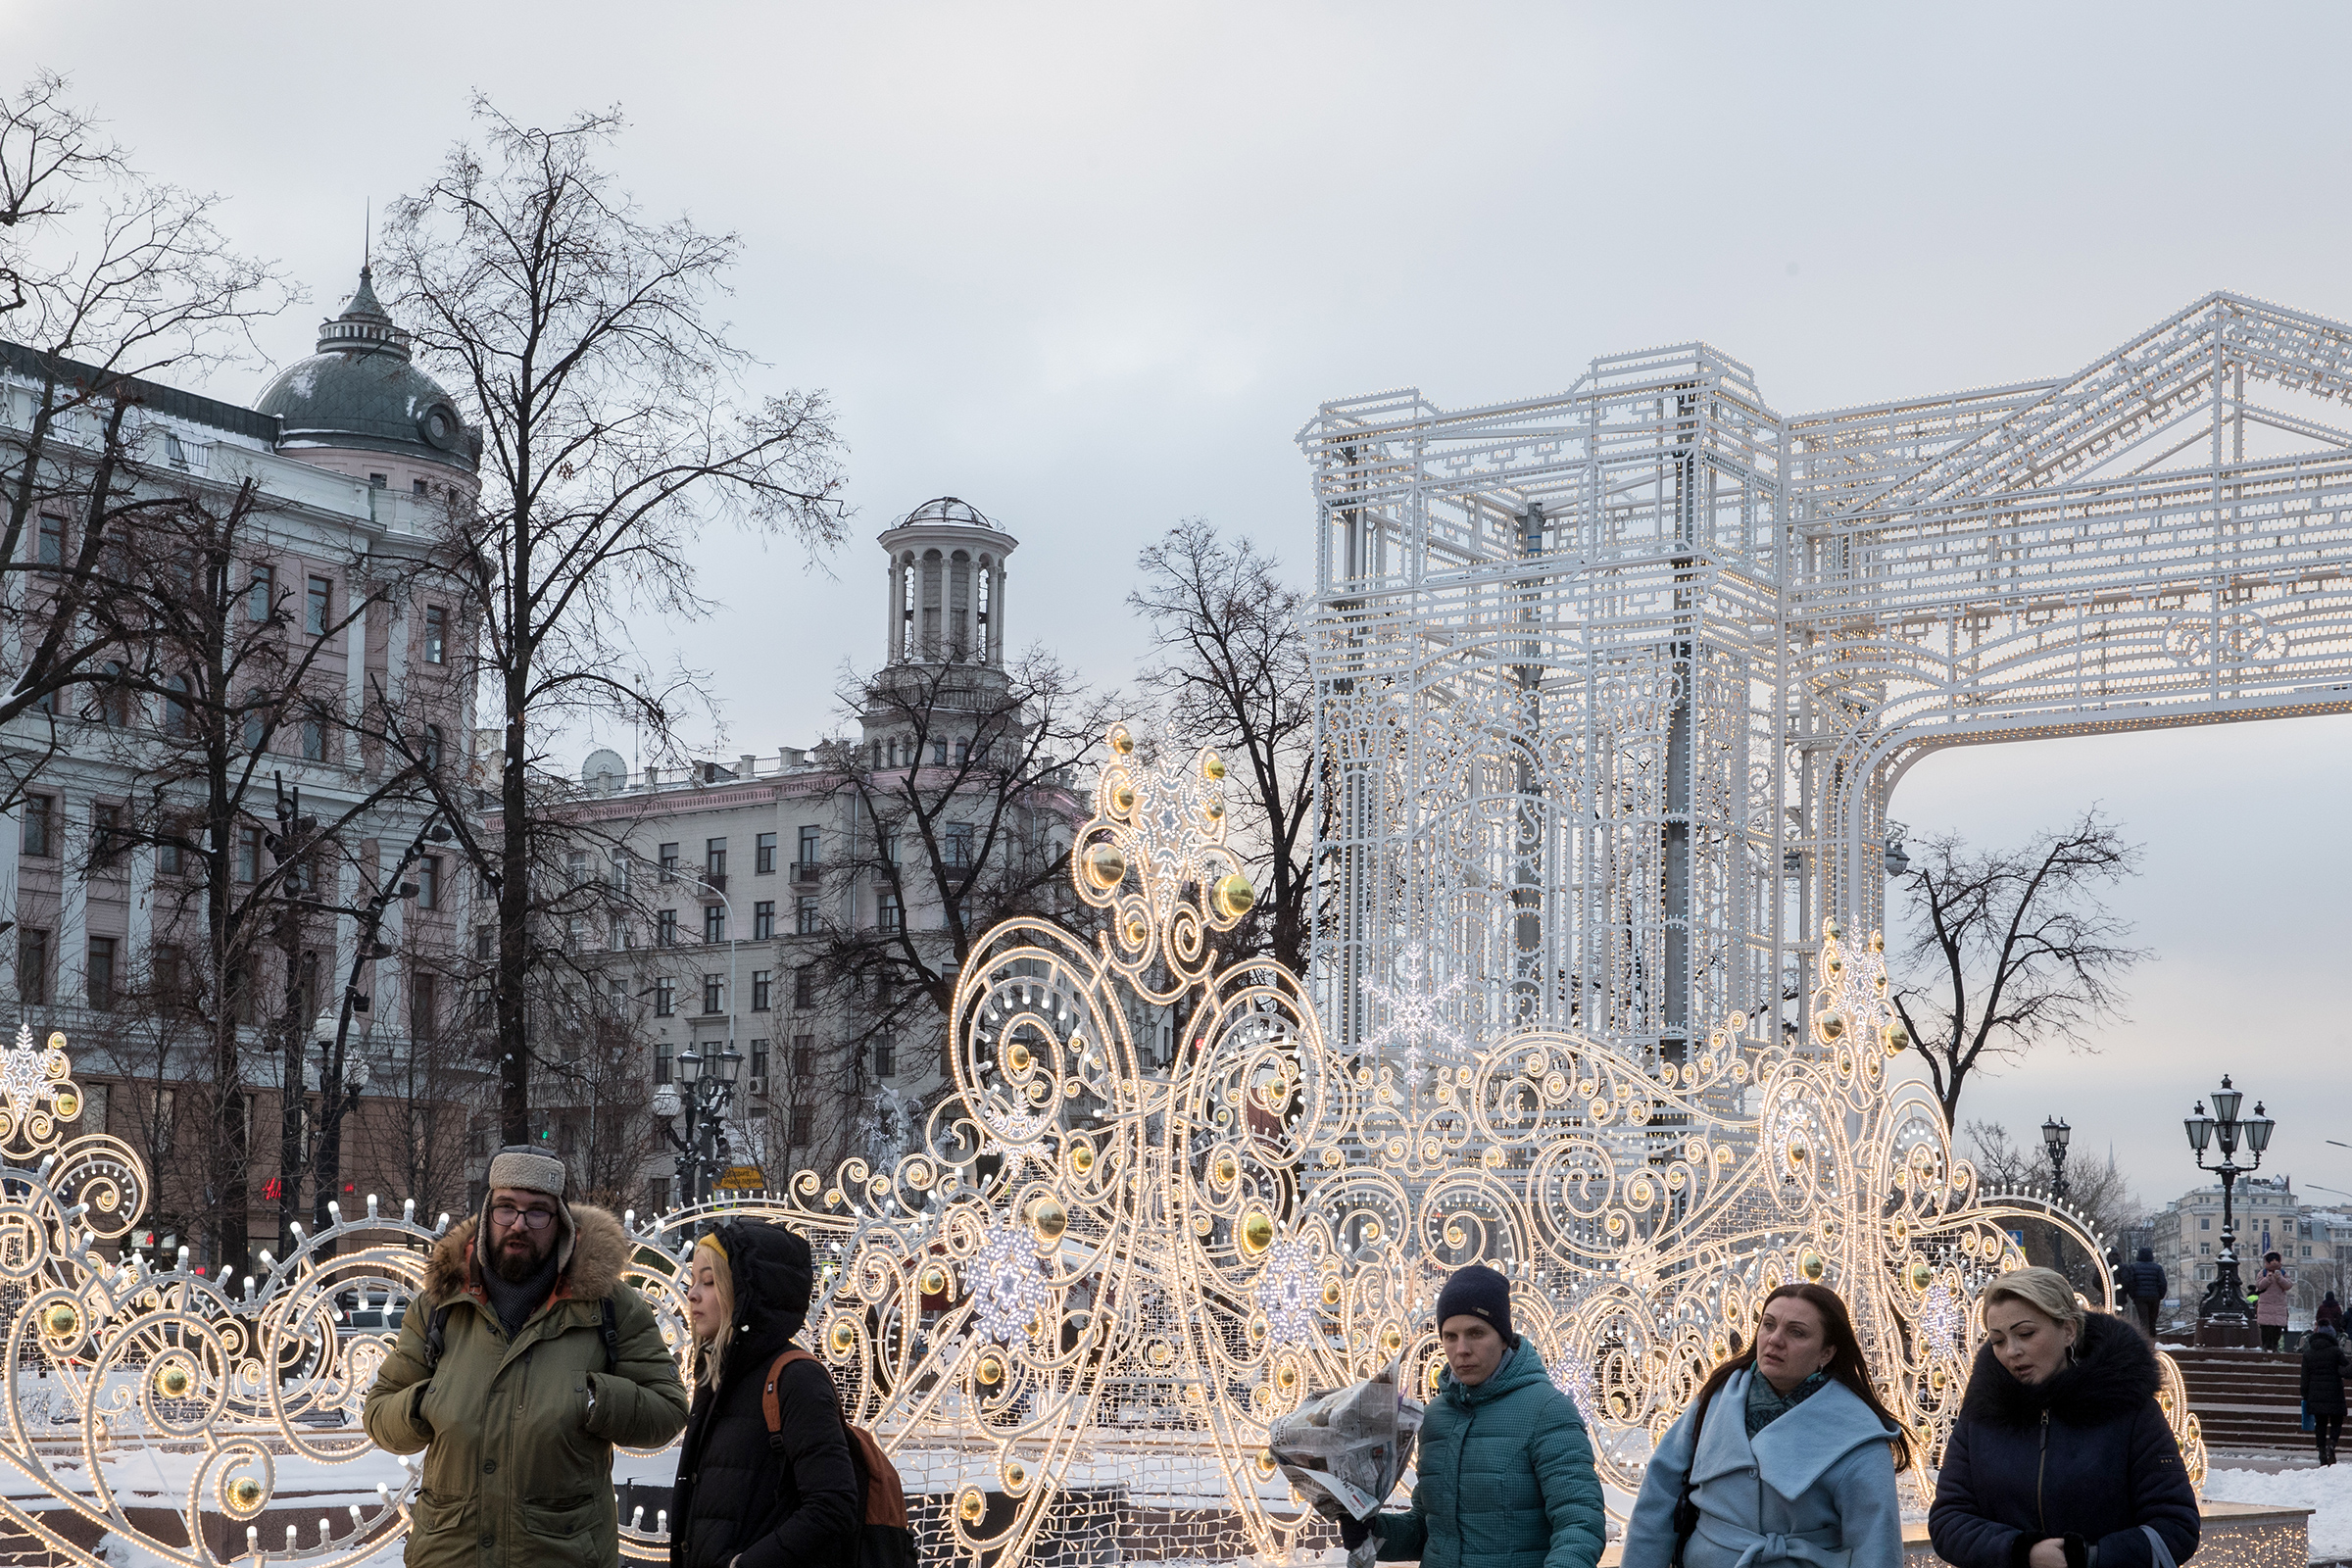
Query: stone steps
2244	1400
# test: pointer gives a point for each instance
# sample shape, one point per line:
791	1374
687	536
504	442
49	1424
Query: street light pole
2225	1303
702	1104
2055	1135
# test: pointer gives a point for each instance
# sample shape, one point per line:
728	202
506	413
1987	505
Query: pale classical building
355	454
2313	1239
748	878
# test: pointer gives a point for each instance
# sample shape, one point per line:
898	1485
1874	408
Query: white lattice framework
1615	683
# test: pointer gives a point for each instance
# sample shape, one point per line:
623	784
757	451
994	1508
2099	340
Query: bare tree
1231	674
577	333
2095	1186
2011	949
107	278
227	670
961	803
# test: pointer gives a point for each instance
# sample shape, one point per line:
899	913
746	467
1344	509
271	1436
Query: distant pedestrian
1788	1456
2325	1365
2061	1456
2274	1287
2331	1315
2143	1284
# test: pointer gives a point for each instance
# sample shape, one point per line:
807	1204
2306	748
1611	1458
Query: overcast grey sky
1090	268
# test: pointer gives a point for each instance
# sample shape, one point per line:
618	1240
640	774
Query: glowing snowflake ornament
1418	1013
1008	1289
1282	1288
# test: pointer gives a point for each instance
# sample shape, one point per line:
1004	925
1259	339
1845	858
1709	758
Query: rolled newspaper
1346	1449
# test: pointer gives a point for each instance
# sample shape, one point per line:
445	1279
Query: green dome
359	392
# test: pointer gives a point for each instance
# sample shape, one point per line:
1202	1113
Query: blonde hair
711	1354
2044	1289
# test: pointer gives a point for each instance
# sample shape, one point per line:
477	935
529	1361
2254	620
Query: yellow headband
712	1242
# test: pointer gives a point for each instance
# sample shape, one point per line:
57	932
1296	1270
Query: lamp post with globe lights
2055	1135
2221	1314
701	1096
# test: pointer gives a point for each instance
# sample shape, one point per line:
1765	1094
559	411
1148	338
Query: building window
176	706
2204	1249
314	740
760	989
428	882
318	606
938	753
100	975
669	862
801	1120
714	860
106	835
665	929
763	919
33	837
889	846
2204	1222
803	989
53	540
887	914
33	965
959	846
249	855
660	1061
812	851
714	992
764	855
620	876
424	1005
759	1059
886	1058
714	922
665	997
804	917
261	597
416	487
804	1056
436	634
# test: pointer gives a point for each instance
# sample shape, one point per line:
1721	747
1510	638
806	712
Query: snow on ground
2328	1490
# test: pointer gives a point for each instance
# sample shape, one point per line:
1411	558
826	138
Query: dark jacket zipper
2042	1465
1460	1450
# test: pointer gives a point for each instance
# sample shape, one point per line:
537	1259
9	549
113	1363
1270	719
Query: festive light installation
1090	1271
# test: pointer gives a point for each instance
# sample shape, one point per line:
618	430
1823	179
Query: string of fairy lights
1087	1259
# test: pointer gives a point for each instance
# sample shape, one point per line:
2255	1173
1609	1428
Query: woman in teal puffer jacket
1505	1471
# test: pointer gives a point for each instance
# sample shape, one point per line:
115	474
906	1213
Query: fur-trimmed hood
600	1251
2114	1374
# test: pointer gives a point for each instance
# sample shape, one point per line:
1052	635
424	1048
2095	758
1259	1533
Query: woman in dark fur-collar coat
2061	1458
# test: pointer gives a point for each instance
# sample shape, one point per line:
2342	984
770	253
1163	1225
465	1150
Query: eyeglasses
537	1219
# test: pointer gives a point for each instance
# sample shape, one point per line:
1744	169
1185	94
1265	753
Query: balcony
715	884
807	870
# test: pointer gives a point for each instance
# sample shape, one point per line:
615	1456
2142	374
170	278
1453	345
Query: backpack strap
436	1337
610	1324
771	1405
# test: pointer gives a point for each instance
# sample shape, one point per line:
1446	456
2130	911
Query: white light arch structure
1614	683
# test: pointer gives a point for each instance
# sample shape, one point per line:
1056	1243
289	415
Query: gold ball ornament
934	1281
1082	1156
63	1320
1105	867
1812	1265
971	1505
68	1104
1121	741
171	1380
842	1337
1257	1230
245	1494
1212	765
989	1369
1048	1220
1122	798
1233	897
1390	1338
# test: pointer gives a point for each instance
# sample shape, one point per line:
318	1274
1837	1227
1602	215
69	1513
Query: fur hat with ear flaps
522	1168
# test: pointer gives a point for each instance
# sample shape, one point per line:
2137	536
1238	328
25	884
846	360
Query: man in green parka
544	1363
1505	1471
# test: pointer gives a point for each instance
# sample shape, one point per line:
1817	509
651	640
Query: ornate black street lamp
704	1099
2226	1302
2054	1137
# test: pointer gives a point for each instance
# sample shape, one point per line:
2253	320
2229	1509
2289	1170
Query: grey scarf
1767	1404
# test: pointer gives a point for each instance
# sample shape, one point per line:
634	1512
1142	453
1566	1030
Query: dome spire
364	326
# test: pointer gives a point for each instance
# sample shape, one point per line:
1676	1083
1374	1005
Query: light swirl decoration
1093	1264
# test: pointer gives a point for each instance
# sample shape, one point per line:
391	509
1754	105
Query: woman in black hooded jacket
738	1503
2061	1458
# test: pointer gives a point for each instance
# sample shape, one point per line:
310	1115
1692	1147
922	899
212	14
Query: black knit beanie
1478	1291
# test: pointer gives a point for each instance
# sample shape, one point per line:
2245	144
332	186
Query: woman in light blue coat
1787	1456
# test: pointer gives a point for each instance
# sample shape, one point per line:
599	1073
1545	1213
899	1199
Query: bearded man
522	1365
